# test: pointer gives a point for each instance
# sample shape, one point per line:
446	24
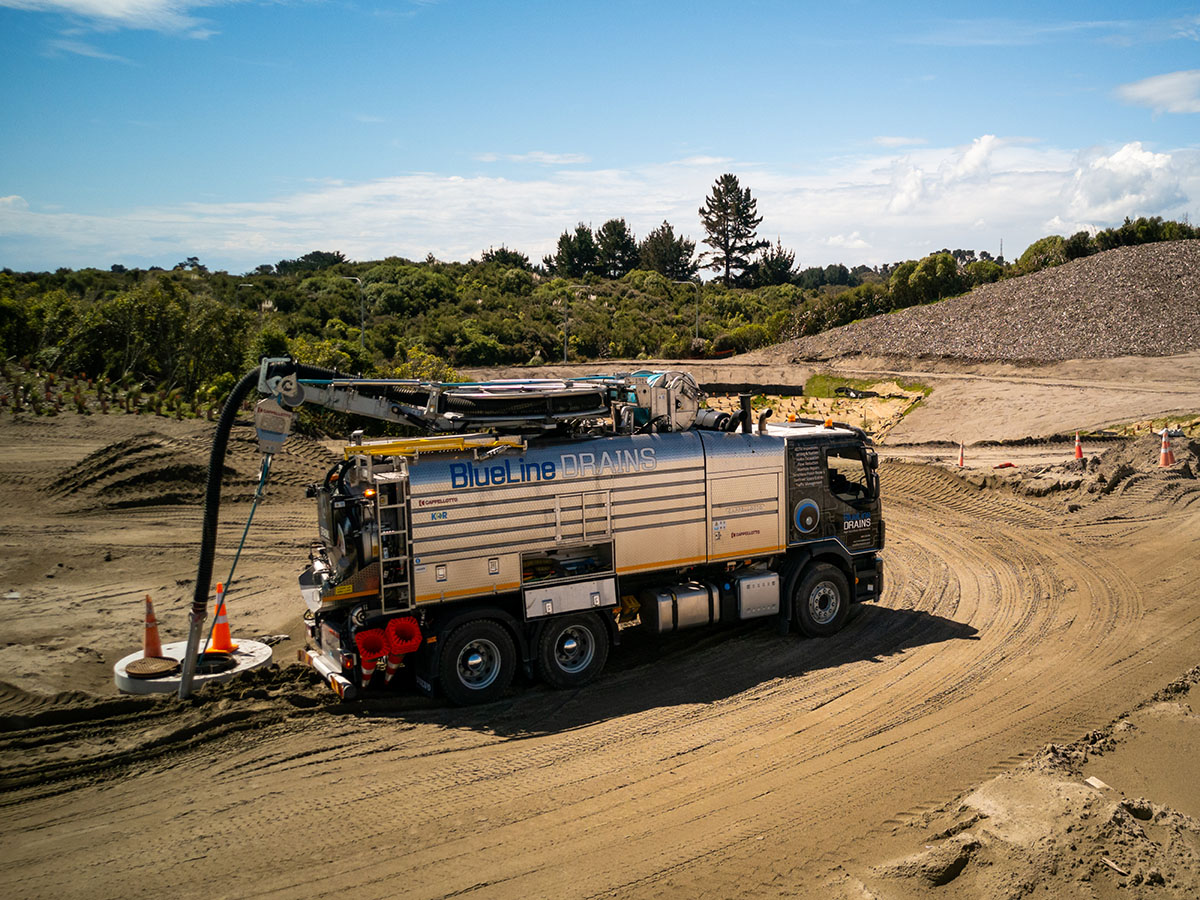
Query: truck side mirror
872	459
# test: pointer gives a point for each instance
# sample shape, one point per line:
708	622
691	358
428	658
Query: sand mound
152	469
1054	826
1133	301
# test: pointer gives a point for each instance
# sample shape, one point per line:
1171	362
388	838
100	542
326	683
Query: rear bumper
324	666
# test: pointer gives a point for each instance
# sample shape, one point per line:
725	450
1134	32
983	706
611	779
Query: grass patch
1188	423
826	385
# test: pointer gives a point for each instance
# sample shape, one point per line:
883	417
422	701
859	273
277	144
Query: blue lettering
465	475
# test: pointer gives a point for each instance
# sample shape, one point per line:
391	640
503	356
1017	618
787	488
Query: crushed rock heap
1132	301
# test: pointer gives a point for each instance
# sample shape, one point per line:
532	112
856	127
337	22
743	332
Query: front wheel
477	663
572	651
821	601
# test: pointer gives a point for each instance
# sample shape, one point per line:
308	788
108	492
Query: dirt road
725	764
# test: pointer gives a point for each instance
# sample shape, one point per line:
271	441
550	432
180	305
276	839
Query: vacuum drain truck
542	519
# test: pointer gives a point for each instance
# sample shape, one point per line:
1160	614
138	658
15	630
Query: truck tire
477	662
821	601
572	651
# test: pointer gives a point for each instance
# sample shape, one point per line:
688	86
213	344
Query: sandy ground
1035	631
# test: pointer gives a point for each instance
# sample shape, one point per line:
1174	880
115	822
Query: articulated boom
660	401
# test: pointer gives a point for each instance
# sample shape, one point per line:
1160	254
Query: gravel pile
1133	301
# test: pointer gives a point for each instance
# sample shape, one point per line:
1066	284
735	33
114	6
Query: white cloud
1130	182
703	161
543	158
82	48
151	15
851	241
1002	32
996	32
1175	92
537	157
872	209
897	141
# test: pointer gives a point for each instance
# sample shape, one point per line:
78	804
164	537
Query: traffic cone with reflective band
151	645
1078	447
1165	456
402	636
222	640
960	454
372	647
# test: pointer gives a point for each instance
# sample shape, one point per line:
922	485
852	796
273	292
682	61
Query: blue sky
142	132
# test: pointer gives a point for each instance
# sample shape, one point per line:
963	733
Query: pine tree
616	250
575	255
729	217
775	266
666	254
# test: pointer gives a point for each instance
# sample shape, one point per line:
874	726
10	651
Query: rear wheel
572	651
477	663
821	601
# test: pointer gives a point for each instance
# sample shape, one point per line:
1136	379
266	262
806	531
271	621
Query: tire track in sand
711	771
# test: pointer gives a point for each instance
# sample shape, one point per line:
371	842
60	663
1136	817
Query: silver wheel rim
478	664
574	649
824	603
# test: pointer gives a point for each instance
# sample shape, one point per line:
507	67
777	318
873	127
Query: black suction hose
216	468
212	490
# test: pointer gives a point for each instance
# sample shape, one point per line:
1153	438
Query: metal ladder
392	540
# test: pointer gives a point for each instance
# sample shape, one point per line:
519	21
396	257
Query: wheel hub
478	664
574	650
823	603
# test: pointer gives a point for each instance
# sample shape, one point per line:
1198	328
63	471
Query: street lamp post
362	313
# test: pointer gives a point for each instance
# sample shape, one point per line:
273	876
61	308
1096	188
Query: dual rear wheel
479	659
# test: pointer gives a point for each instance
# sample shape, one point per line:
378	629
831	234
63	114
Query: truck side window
849	478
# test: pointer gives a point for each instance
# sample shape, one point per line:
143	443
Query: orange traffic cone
1165	456
402	636
222	640
151	645
1078	447
960	454
372	647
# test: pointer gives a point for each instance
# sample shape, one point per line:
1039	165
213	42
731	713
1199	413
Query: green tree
1041	254
1078	245
775	266
983	271
310	262
575	255
509	259
902	294
935	277
616	250
730	220
660	251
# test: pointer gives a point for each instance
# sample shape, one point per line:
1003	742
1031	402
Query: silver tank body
663	501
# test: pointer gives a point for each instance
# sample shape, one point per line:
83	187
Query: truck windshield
849	478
